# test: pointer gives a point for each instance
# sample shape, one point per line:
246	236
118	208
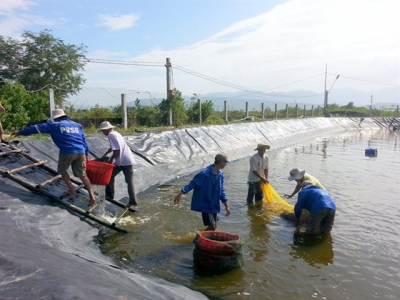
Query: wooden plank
27	167
45	167
40	185
34	188
10	152
91	216
22	182
120	204
120	216
93	207
79	210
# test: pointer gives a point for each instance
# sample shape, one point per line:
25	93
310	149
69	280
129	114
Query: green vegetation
39	60
22	107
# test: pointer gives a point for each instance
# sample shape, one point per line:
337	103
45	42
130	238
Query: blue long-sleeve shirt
312	198
66	134
208	191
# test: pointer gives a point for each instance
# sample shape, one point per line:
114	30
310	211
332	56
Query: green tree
147	116
350	105
98	112
333	106
179	116
193	112
22	107
39	60
163	112
131	112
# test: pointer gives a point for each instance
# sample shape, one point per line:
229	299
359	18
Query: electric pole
325	93
169	91
370	108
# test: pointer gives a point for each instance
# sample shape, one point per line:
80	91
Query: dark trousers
254	190
129	179
321	222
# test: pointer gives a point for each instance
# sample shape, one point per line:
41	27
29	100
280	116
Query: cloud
118	22
294	41
11	5
13	22
13	25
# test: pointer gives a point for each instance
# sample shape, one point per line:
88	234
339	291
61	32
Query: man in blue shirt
208	191
70	139
320	205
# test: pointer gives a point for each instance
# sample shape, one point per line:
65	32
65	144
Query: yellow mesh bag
274	201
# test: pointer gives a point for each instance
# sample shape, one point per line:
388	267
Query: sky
248	47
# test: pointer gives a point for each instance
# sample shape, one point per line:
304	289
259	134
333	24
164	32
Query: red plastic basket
99	172
218	242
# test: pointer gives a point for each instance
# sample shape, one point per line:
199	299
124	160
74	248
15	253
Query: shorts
76	161
209	219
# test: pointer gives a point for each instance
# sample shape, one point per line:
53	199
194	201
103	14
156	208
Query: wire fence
89	97
229	109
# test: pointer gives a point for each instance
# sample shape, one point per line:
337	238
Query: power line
281	96
250	91
125	63
212	79
389	84
158	64
221	82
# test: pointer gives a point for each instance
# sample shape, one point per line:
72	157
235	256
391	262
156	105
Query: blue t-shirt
312	198
208	191
66	134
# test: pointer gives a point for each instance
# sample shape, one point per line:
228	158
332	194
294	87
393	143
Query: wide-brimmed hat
57	113
220	157
105	125
262	146
296	174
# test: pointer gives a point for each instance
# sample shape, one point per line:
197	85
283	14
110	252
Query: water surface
358	260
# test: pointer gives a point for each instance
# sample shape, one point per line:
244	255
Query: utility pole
124	111
325	93
51	100
169	91
226	111
370	108
199	103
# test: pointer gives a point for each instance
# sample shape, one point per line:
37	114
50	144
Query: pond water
358	260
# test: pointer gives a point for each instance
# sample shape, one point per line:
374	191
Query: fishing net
276	204
274	201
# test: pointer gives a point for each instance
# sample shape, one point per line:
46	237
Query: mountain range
381	99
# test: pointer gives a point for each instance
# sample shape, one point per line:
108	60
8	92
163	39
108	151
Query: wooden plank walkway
33	174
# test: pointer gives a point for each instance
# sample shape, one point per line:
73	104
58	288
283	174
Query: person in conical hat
124	161
70	139
300	176
258	173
